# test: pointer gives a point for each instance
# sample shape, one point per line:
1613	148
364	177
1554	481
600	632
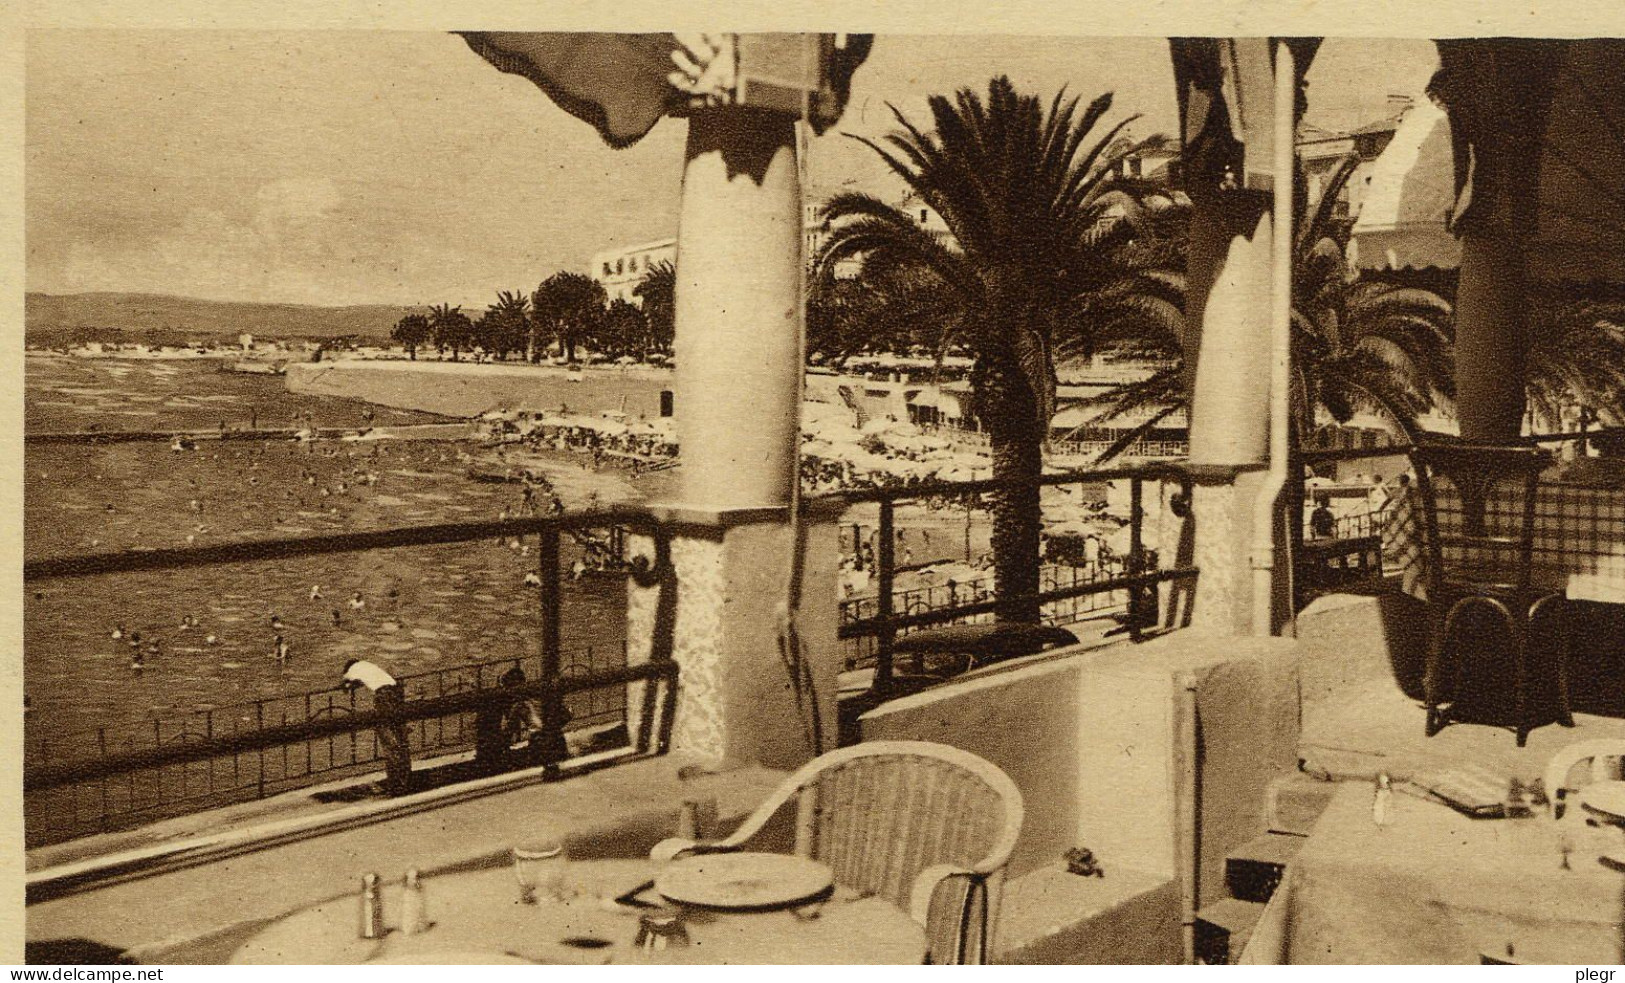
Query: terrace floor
201	909
1374	727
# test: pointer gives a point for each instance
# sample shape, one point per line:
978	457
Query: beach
419	609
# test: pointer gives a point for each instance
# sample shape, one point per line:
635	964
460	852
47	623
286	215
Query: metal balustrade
81	782
893	613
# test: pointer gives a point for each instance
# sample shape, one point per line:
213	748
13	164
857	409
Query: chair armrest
925	887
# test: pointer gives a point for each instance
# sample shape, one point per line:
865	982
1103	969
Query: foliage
658	292
410	332
1576	355
622	330
504	328
1357	340
567	309
1041	227
450	328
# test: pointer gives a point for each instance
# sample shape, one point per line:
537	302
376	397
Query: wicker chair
925	826
1479	536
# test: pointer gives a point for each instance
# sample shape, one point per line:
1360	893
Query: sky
349	167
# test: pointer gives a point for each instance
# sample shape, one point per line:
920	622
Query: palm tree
1357	341
888	308
450	328
1036	220
507	323
658	293
1576	356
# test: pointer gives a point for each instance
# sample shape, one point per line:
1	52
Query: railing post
1136	558
883	601
554	715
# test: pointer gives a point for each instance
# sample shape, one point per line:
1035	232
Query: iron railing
100	779
1363	547
860	650
1137	579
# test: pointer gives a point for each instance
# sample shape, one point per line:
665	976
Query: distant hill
50	314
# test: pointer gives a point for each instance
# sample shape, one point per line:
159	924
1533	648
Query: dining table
1579	547
479	917
1431	885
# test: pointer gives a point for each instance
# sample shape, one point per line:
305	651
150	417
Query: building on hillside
1323	150
621	270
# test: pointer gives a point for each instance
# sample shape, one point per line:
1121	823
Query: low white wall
1090	739
468	389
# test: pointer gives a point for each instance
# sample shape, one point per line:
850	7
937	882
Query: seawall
467	389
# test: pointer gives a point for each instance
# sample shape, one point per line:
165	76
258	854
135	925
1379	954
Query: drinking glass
539	869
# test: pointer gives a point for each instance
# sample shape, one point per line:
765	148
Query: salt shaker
372	908
414	910
1381	800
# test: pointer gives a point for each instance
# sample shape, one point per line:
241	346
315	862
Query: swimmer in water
356	603
337	621
118	632
210	639
282	650
276	622
315	592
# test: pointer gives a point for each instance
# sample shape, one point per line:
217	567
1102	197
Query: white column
1227	311
739	271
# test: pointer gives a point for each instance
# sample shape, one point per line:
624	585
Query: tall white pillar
740	697
1228	313
739	272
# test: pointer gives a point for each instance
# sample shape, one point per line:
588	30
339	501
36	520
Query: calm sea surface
419	608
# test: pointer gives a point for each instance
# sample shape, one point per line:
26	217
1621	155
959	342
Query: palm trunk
1018	459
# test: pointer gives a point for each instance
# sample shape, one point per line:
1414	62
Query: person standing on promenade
387	698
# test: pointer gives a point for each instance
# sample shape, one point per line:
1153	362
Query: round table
478	917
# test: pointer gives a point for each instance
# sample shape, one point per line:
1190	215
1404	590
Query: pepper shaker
414	910
372	908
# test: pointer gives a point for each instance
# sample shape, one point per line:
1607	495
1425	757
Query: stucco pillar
1228	330
1227	317
738	700
741	698
1490	333
739	272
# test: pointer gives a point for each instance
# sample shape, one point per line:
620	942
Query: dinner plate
743	880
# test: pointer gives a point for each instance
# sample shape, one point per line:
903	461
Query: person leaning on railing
387	697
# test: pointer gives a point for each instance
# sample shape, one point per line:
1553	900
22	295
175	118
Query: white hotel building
621	270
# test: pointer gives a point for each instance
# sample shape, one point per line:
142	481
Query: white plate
743	880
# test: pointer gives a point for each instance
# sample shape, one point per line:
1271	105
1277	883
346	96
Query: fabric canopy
618	82
1226	95
1538	140
1404	221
